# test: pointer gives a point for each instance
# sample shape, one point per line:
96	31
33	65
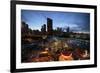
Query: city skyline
78	22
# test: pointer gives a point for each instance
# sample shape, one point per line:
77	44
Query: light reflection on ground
56	49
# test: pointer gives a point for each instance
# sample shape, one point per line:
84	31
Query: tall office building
49	26
68	29
24	28
43	29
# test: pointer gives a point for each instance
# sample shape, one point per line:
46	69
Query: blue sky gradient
78	22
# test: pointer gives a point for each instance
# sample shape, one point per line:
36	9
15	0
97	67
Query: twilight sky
78	22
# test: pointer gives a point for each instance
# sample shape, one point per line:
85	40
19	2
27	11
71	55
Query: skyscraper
68	29
43	29
49	26
24	28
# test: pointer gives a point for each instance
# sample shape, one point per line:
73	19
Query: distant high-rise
49	26
43	29
68	29
24	28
